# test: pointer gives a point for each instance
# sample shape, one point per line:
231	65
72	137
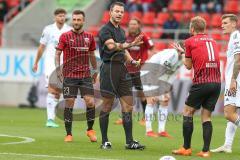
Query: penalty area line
50	156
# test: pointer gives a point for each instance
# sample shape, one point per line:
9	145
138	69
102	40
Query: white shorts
49	72
230	100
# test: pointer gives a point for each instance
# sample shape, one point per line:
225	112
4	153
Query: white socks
229	134
51	105
149	117
162	118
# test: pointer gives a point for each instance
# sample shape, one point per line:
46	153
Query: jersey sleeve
236	44
105	35
148	42
62	42
45	36
188	53
92	46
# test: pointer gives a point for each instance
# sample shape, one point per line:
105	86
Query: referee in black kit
114	78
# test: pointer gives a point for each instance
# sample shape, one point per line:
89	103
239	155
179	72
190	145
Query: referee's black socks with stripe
127	125
90	115
207	135
68	120
104	120
187	131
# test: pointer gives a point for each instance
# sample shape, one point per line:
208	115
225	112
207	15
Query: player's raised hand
178	47
35	68
138	40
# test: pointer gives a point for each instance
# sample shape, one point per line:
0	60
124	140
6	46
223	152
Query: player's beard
77	27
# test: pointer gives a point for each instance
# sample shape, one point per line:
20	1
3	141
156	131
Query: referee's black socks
127	125
207	135
68	120
187	131
104	120
90	115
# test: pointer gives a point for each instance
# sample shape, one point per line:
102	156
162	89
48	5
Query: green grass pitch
49	143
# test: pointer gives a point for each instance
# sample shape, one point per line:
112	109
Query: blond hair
232	17
198	24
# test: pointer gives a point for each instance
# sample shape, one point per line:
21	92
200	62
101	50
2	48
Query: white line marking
49	156
26	139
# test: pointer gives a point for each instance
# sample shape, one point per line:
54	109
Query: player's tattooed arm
236	68
38	57
112	45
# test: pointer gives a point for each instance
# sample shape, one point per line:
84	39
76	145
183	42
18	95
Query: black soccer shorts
204	95
136	81
71	86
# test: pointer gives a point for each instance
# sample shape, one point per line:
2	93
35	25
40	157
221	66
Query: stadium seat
13	3
206	16
148	30
176	5
216	36
105	17
94	30
160	45
148	18
231	6
136	14
125	19
156	35
216	20
187	5
161	18
178	16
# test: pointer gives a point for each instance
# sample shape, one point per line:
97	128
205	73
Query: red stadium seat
160	45
148	18
156	35
94	30
216	20
161	18
178	16
187	5
206	16
105	17
231	6
125	18
216	36
13	3
148	30
176	5
136	14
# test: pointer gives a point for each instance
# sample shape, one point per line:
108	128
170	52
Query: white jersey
168	58
233	48
50	38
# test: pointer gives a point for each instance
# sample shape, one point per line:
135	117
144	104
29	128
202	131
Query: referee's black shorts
204	95
72	85
115	80
136	81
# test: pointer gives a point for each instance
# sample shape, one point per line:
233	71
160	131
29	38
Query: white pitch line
26	139
49	156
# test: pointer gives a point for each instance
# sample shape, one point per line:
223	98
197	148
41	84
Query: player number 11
210	51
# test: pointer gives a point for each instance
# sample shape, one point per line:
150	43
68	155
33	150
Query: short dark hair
76	12
117	4
60	11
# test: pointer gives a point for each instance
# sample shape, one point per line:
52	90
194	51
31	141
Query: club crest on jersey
86	40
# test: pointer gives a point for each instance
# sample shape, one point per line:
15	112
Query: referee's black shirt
109	31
